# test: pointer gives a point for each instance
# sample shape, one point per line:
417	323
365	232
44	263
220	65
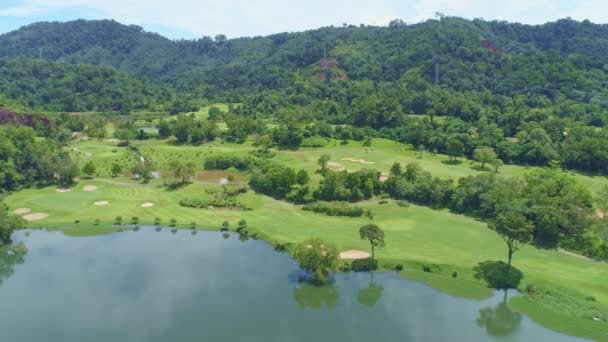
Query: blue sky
196	18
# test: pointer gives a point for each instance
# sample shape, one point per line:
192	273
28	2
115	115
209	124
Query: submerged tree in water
317	257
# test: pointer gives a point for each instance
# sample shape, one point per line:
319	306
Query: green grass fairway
414	234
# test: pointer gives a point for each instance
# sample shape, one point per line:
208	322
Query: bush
399	267
157	221
223	162
134	220
364	265
403	204
96	222
454	274
431	268
192	225
590	299
172	223
314	141
76	221
118	220
335	209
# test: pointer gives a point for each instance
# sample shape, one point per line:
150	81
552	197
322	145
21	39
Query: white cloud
246	17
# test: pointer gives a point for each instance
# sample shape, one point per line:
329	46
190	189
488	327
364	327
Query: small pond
159	286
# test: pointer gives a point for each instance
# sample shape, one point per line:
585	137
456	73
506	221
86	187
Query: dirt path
580	256
77	149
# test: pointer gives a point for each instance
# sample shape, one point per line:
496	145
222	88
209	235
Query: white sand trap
101	203
362	161
63	190
599	214
147	205
34	217
20	211
89	188
383	178
354	254
333	164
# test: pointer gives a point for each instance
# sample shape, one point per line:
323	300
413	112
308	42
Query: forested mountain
471	55
535	94
59	86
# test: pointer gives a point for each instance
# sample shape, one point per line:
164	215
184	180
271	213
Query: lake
159	286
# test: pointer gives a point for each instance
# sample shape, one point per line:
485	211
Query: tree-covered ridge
58	86
218	65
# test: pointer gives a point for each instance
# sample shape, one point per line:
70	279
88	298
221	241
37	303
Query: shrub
118	220
399	267
134	220
157	221
335	209
403	204
431	268
96	222
172	223
76	221
223	162
217	201
314	141
364	265
192	225
225	226
590	299
242	225
454	274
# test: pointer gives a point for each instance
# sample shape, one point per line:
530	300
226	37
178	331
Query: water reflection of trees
316	297
9	257
499	320
370	295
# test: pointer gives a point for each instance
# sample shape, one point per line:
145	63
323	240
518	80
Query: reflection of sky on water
158	286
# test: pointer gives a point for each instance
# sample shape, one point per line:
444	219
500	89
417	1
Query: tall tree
375	236
322	161
88	169
514	228
484	155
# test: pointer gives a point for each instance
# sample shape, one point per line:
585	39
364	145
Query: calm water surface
159	286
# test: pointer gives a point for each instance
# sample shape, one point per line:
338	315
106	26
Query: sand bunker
63	190
147	205
89	188
101	203
362	161
600	214
354	254
34	217
383	178
333	164
20	211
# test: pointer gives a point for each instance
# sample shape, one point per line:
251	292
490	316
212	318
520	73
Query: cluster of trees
8	224
27	160
55	86
558	207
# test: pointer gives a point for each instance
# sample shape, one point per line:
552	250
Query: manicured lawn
414	234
